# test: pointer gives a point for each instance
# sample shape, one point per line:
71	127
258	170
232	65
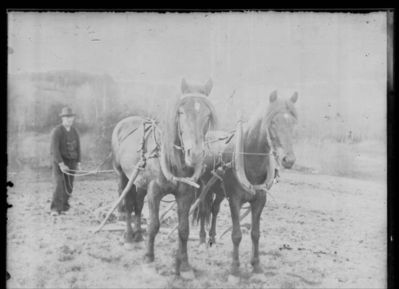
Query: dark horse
254	153
174	153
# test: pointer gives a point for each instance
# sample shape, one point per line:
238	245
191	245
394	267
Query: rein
179	133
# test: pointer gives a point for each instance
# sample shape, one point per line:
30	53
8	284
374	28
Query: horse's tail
114	158
203	210
115	164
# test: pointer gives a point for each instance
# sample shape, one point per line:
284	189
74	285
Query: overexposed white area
336	58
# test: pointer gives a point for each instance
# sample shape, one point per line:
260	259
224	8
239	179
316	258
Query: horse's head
282	118
193	115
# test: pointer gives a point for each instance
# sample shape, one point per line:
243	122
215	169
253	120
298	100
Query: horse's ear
294	97
208	87
273	96
184	86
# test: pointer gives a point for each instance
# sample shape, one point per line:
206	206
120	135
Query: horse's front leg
202	211
184	198
236	235
256	210
154	197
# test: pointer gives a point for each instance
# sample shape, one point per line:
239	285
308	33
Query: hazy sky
325	56
302	46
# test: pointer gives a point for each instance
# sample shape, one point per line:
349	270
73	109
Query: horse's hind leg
130	200
154	197
256	210
204	212
215	210
236	235
138	207
126	207
123	180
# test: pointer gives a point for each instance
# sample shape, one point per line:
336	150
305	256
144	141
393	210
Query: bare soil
318	231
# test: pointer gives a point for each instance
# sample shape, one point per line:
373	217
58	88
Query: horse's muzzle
192	158
288	161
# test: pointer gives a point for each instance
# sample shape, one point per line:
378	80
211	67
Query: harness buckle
213	172
178	147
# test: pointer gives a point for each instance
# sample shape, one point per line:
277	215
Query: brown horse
255	151
173	152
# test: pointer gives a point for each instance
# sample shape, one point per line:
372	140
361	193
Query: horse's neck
256	150
256	138
175	158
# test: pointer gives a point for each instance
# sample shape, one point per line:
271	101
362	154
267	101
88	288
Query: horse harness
220	166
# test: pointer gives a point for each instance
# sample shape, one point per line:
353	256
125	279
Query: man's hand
78	167
63	167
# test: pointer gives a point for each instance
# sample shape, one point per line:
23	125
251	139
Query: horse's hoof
232	279
128	246
202	246
128	237
187	275
138	237
54	214
257	269
149	268
258	278
148	259
211	242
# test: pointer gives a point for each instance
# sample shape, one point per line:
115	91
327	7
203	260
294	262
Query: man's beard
67	126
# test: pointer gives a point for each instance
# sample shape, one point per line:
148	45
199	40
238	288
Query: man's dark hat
67	111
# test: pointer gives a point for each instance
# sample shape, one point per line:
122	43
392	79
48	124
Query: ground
317	231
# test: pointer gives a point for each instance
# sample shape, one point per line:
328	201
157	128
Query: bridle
179	130
198	170
273	140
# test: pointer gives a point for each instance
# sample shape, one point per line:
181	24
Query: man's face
68	120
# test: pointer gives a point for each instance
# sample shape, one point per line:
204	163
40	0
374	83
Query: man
65	153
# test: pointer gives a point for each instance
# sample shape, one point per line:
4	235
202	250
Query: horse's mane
263	116
291	108
264	113
174	157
